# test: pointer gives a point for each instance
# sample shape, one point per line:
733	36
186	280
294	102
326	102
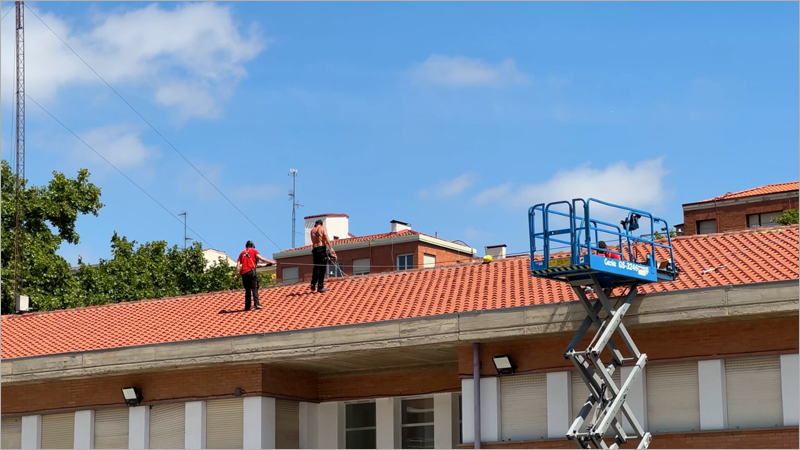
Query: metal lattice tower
293	197
19	207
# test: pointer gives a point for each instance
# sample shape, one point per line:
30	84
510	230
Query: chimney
398	226
496	251
337	225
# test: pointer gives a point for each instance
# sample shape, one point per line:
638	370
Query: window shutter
287	424
428	260
361	266
707	226
580	393
168	426
58	430
111	428
225	423
753	388
523	407
11	432
290	275
673	397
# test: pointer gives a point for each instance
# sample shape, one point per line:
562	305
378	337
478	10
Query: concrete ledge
448	331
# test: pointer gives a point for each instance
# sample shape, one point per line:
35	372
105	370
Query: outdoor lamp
503	364
132	396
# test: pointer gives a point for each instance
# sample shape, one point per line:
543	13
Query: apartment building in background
400	248
751	208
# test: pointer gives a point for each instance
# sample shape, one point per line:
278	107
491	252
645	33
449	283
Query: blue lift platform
568	244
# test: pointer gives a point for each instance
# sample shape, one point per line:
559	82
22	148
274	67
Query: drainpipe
476	373
716	215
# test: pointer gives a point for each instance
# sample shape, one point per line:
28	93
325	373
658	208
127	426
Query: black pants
320	255
250	281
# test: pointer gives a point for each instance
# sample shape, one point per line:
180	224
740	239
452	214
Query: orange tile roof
776	188
741	257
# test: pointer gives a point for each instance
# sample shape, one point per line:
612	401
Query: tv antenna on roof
293	198
185	238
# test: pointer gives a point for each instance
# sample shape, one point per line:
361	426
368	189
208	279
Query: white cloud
460	71
191	56
637	186
450	188
120	144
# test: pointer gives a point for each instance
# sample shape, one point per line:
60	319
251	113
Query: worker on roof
321	250
246	267
604	252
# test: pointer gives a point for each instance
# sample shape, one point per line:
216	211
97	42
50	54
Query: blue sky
453	117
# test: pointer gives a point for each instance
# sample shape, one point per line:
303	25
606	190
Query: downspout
716	216
476	374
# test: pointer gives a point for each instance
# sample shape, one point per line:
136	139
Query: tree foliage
134	272
50	213
789	217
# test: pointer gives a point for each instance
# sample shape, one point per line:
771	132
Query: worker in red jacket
604	252
246	267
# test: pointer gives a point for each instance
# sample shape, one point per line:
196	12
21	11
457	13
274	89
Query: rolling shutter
361	266
225	423
111	428
167	426
58	430
579	395
287	424
523	407
673	397
11	432
753	387
428	261
290	275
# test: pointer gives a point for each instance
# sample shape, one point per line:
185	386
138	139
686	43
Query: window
706	226
225	423
11	432
335	269
361	266
428	260
111	428
360	425
460	420
753	387
167	425
763	220
417	423
673	397
287	423
290	275
58	431
405	262
523	407
580	393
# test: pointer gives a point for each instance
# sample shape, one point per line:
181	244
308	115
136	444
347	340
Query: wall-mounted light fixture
132	396
238	391
504	365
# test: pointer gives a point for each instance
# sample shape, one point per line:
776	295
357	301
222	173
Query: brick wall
734	217
382	258
785	437
158	387
389	384
698	341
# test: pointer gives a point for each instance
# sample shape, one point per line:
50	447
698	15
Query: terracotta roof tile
776	188
326	215
739	258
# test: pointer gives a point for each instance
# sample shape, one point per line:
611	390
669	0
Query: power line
115	167
157	132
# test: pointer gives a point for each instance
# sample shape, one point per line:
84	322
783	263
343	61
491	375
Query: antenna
293	197
185	238
19	207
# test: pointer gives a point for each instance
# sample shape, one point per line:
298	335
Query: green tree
657	235
789	217
50	213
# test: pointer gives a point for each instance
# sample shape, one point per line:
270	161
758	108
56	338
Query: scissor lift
594	274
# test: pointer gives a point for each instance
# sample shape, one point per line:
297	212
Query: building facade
751	208
399	249
387	360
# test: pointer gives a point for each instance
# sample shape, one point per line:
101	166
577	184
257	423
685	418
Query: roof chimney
398	226
337	225
496	251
